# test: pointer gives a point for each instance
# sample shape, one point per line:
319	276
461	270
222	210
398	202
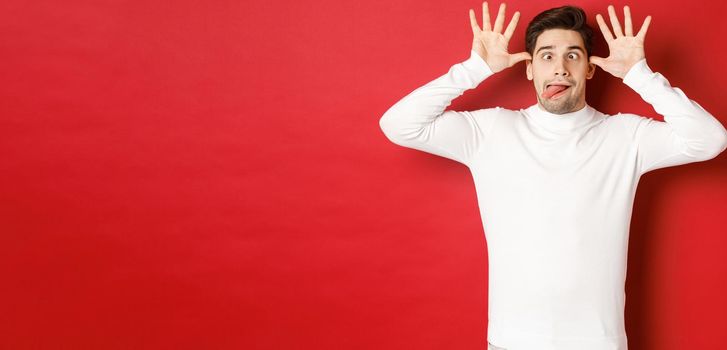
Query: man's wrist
638	74
477	65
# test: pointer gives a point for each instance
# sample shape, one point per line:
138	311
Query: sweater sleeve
419	121
688	133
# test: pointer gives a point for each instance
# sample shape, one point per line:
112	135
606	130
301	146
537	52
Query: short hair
564	17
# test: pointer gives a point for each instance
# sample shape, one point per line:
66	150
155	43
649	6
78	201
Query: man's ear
591	70
529	69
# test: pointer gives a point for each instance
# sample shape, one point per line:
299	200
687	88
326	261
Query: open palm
490	43
626	49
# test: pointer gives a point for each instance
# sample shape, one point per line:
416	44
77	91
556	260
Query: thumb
599	61
520	56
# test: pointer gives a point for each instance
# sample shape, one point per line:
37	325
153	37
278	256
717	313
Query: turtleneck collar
561	122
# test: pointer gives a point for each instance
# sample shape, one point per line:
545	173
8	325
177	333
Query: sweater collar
561	122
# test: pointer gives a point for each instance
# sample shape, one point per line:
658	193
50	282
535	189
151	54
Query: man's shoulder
498	110
629	124
625	119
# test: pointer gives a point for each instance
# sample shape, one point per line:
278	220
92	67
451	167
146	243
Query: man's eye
573	56
546	56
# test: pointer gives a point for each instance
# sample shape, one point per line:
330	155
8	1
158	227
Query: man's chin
558	106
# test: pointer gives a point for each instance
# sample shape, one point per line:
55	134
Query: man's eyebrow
550	47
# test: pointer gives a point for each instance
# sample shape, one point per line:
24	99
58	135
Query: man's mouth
555	90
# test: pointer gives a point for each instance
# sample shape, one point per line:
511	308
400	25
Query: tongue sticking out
552	90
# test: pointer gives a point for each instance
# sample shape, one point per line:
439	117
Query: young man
556	181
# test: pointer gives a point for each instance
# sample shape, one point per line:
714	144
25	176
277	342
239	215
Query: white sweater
555	194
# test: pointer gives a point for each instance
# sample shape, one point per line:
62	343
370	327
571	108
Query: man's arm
419	121
688	134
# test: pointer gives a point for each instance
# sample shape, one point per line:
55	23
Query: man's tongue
552	90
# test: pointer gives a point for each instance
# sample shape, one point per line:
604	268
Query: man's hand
624	50
490	44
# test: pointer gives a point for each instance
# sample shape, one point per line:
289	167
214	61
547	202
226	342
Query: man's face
560	58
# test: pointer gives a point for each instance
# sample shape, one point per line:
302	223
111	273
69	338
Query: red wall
211	175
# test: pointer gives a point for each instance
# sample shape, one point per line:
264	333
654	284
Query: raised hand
491	44
625	49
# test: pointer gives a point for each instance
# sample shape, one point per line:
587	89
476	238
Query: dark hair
564	17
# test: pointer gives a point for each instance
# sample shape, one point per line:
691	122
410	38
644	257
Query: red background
211	175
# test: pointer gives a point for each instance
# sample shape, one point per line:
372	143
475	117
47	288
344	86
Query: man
556	181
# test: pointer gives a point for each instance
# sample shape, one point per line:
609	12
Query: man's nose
560	68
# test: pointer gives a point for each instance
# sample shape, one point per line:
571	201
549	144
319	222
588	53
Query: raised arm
688	133
419	121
